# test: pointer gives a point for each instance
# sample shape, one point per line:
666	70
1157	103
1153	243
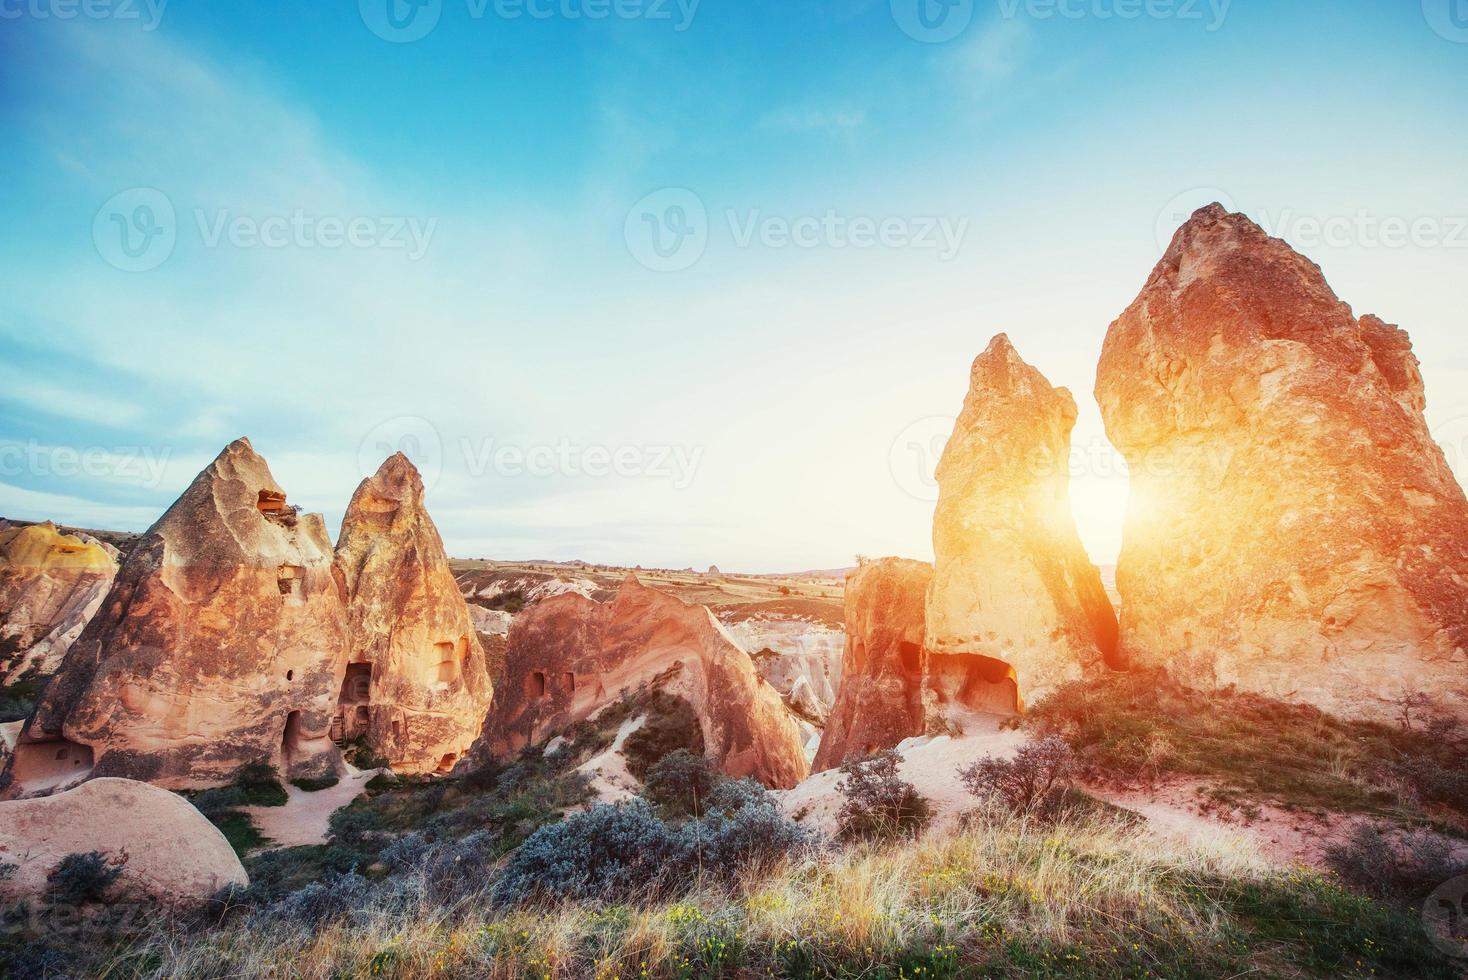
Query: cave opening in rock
356	685
535	684
911	655
568	682
448	663
447	762
288	579
290	742
40	765
976	682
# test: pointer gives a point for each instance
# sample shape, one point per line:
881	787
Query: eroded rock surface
1293	528
168	851
415	689
51	585
1011	579
222	642
569	656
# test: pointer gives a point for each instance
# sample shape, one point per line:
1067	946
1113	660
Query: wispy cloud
833	120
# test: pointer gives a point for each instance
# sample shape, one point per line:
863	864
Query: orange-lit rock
222	642
1011	580
50	586
1293	528
569	656
416	688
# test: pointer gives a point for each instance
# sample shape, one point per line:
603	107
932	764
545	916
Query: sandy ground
610	780
931	765
306	817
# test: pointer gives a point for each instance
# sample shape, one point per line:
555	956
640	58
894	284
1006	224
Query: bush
681	782
671	724
259	785
879	804
754	838
1409	868
1030	783
733	795
6	870
323	901
81	878
318	783
607	853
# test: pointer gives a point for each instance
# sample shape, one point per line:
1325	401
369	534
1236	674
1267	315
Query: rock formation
416	689
1293	528
169	853
569	656
51	584
222	642
881	698
1011	581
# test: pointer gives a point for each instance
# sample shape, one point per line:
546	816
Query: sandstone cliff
416	689
51	585
1011	580
222	642
569	656
1293	528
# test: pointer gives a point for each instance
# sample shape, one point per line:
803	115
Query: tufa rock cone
1293	529
416	688
51	584
221	643
1011	580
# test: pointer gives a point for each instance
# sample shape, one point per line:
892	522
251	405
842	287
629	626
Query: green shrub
81	878
1033	782
680	783
879	804
671	724
315	785
259	785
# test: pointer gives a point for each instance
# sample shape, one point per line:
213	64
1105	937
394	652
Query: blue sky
352	243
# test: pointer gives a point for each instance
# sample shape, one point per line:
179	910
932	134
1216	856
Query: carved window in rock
911	655
356	685
568	682
535	684
448	664
290	579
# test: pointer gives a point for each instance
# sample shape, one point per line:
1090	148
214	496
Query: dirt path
306	817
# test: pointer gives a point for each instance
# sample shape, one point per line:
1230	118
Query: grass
1140	725
1090	897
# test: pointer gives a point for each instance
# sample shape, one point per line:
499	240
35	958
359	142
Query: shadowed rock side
880	700
51	585
416	689
221	643
1293	528
568	657
1011	580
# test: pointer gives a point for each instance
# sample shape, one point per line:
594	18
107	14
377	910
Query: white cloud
809	119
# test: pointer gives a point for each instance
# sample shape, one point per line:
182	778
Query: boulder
1011	580
569	656
1293	529
168	851
51	585
222	642
415	690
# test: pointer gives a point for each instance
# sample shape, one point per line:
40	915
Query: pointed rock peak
397	477
1000	373
631	583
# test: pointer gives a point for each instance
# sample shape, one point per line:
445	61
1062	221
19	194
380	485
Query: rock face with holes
51	585
1293	527
881	698
222	642
416	690
569	656
168	852
1011	580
